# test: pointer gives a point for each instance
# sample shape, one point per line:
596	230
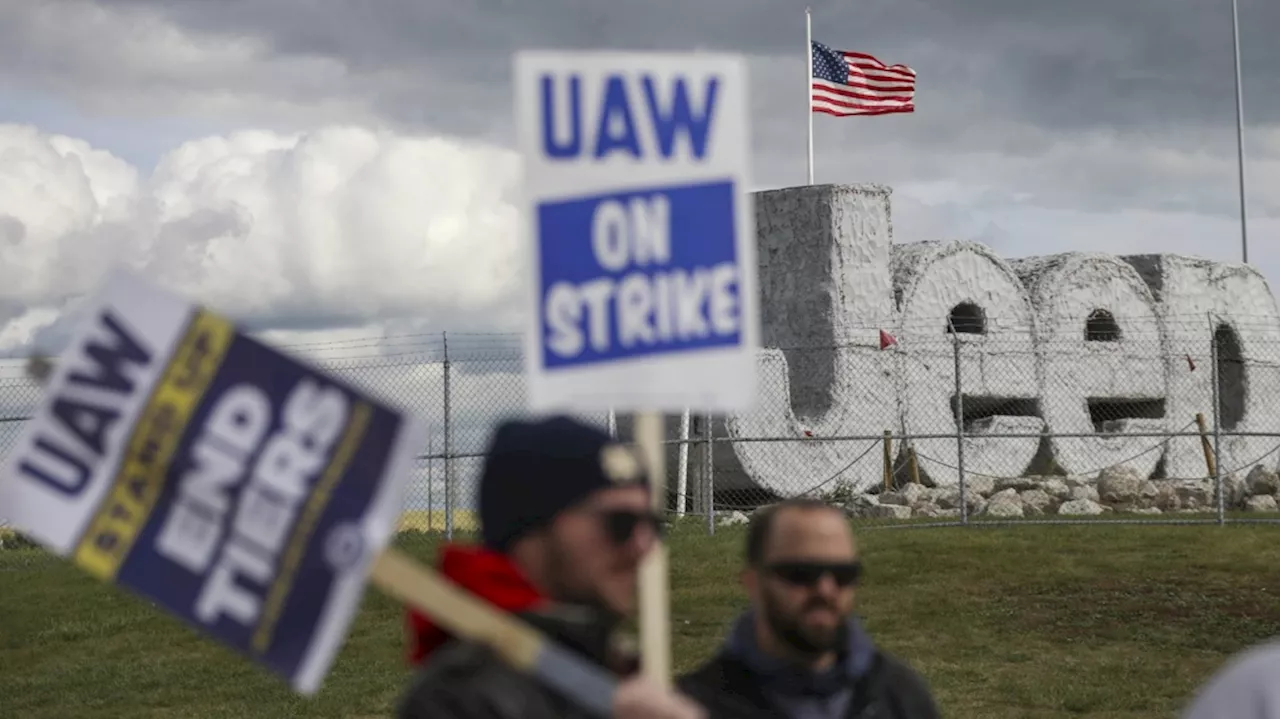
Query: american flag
855	83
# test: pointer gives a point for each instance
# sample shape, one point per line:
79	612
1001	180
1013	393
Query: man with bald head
799	651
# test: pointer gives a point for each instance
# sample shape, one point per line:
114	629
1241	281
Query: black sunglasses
620	524
808	574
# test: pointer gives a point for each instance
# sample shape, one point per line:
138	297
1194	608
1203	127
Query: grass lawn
436	520
1025	622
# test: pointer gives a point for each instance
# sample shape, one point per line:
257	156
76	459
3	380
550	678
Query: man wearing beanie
566	519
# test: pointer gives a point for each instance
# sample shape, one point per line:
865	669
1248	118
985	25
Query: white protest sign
640	231
244	491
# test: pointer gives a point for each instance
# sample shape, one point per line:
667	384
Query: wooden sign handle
655	619
520	645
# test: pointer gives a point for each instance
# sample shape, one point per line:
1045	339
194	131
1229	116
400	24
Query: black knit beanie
535	470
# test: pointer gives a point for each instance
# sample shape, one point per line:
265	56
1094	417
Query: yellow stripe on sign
156	434
352	436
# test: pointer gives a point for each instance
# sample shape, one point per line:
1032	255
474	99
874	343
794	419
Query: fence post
431	482
888	459
964	494
682	466
709	474
448	446
1217	423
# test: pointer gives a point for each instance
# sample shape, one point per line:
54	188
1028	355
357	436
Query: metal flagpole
1244	215
808	82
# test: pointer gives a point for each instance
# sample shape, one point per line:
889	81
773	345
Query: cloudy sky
334	171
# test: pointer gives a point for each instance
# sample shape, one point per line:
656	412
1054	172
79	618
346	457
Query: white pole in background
682	466
431	483
1244	215
448	445
808	83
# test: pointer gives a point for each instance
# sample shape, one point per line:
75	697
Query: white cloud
395	237
337	226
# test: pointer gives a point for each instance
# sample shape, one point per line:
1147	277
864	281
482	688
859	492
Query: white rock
1009	493
1149	492
1263	480
1080	507
1085	492
861	504
950	499
1166	497
1261	503
934	511
1056	488
1004	505
913	493
1074	482
1118	485
1036	501
979	484
1235	490
892	511
1194	493
1018	484
893	498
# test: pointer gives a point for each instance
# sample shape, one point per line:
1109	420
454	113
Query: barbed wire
429	347
435	337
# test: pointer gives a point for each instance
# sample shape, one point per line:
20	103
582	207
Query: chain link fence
1146	420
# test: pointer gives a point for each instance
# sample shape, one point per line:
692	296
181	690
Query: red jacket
486	574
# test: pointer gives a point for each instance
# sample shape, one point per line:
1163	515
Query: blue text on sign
65	455
629	111
638	273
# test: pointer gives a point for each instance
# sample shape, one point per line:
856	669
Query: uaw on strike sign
640	231
233	486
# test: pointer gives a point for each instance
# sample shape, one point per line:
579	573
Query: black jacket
466	680
883	688
463	680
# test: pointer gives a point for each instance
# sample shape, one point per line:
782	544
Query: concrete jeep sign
1095	347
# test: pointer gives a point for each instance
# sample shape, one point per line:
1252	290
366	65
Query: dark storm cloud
1093	105
1060	65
